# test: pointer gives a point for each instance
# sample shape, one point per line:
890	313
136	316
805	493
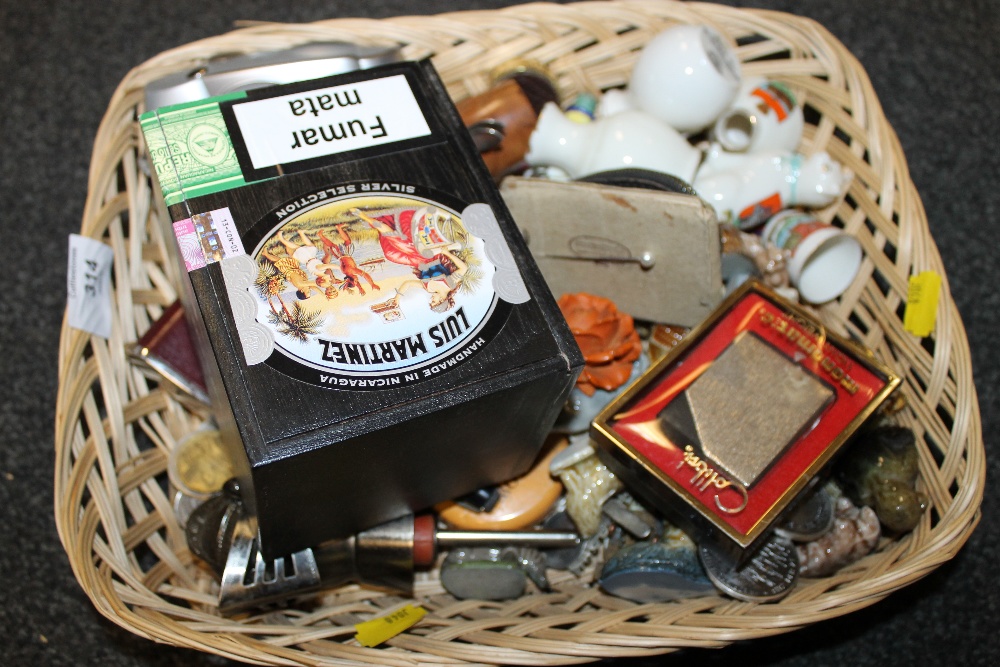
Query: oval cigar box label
370	285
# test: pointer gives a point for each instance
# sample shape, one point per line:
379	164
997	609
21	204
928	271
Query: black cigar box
375	335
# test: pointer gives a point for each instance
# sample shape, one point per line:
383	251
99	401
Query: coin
811	518
769	574
198	465
209	528
183	506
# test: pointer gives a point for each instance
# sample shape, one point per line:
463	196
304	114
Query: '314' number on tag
88	281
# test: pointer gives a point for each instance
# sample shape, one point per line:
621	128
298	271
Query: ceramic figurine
746	190
588	483
611	102
686	77
582	108
746	255
656	571
881	470
854	534
764	116
631	139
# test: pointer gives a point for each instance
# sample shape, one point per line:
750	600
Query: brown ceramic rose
607	338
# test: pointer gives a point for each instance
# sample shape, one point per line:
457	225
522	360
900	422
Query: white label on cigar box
327	121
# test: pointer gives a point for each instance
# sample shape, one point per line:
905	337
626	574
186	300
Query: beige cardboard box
655	254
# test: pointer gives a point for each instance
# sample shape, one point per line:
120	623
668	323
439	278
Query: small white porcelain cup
686	76
824	259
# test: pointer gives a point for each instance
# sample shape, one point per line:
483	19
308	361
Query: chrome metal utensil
382	557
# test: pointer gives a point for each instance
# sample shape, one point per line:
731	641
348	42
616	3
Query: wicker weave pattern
114	427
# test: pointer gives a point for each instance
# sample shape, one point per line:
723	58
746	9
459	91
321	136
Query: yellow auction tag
374	632
921	303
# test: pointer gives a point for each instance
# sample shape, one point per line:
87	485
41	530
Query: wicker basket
115	427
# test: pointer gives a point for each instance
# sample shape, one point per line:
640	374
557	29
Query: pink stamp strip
206	238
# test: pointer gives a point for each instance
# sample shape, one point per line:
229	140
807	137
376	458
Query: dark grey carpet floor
934	65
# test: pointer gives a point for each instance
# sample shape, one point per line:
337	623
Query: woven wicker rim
115	426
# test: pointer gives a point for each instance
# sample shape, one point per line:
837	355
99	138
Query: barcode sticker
921	303
378	630
88	285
